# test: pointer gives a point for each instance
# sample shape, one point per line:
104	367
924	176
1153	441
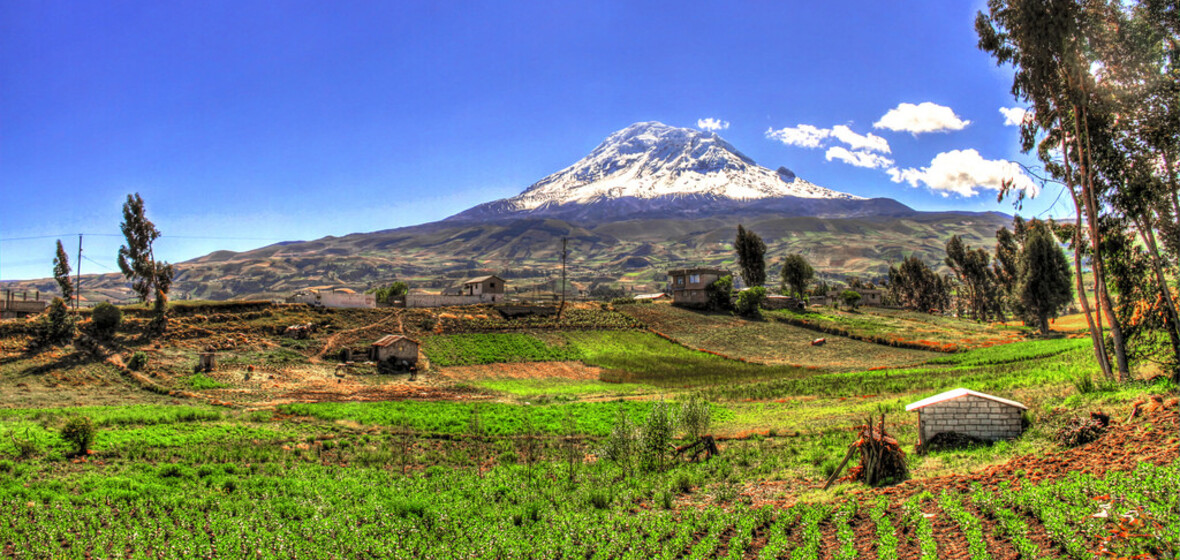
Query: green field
521	465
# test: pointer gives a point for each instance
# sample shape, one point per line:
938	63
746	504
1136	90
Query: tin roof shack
688	285
394	350
967	412
491	285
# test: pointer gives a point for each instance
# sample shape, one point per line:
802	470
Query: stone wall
434	300
973	416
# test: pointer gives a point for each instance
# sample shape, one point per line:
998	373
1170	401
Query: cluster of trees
1027	277
149	279
1102	81
388	294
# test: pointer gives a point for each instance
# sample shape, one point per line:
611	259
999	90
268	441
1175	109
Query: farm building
688	284
659	296
485	289
490	286
13	305
339	298
970	413
395	347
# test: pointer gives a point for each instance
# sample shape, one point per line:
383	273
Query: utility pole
78	276
563	255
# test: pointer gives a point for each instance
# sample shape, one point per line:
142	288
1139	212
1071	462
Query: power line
92	261
60	235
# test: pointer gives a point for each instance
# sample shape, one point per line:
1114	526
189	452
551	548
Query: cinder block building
968	412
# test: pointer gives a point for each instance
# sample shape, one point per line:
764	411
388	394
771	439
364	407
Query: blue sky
244	123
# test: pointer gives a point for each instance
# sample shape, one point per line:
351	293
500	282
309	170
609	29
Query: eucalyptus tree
1051	44
751	255
137	261
61	272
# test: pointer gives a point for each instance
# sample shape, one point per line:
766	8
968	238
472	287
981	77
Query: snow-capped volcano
649	167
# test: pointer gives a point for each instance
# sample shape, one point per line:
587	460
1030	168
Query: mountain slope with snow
648	167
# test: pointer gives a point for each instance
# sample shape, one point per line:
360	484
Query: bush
106	319
749	302
850	299
656	435
695	416
25	447
78	432
56	327
720	294
137	362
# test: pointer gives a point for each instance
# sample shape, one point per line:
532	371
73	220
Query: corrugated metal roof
958	393
391	338
482	279
650	296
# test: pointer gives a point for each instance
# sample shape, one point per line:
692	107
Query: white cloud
712	124
859	158
859	142
1013	116
803	136
924	117
963	172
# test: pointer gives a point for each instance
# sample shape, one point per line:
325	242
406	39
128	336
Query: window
679	280
491	285
694	279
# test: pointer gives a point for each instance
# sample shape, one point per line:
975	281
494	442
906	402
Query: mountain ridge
688	192
650	167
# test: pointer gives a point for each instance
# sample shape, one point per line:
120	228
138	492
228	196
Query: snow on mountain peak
650	159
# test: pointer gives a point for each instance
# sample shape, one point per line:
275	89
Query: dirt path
330	343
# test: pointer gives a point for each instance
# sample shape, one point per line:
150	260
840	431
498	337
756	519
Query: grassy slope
769	342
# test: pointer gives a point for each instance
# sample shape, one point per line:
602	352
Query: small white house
341	298
968	412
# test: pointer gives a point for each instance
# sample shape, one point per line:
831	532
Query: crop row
314	511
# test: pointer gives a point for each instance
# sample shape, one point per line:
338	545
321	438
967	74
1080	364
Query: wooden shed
395	347
968	412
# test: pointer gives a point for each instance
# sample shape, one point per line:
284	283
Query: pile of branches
881	459
1081	430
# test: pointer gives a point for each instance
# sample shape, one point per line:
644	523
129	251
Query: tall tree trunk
1096	335
1173	321
1090	200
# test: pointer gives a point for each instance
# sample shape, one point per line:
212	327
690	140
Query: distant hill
649	198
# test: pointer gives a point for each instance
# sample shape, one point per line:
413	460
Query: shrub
695	416
720	294
850	299
56	326
78	432
137	362
25	447
656	435
623	442
749	302
106	319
